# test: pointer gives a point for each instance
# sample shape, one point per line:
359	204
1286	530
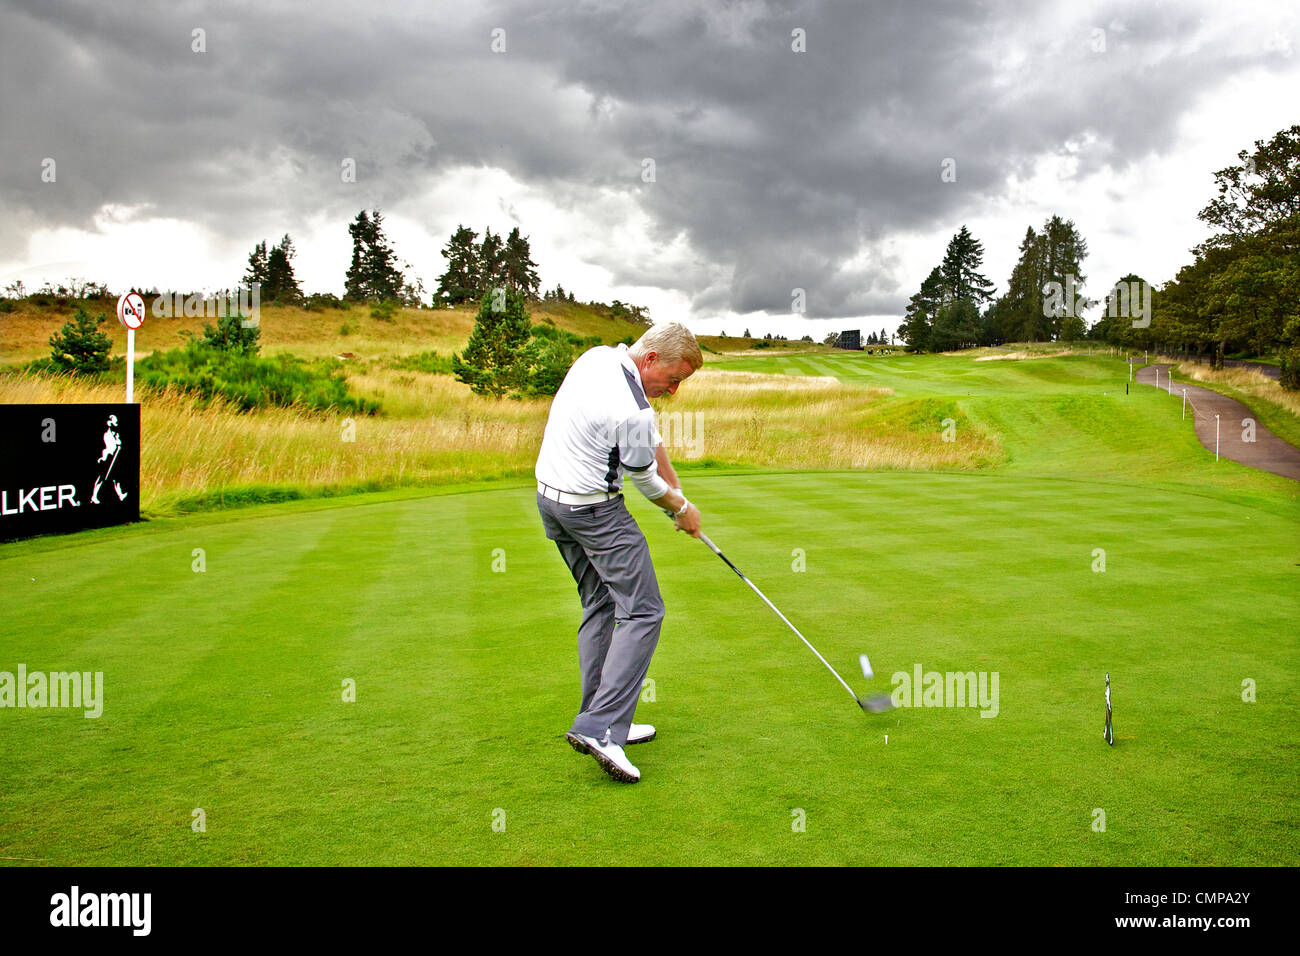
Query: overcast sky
705	159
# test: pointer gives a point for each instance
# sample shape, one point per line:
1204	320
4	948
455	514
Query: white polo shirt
601	426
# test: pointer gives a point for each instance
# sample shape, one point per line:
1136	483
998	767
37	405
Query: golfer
601	427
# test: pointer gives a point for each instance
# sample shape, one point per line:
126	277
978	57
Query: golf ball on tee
866	666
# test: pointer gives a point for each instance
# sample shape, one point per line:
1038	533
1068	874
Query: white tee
601	426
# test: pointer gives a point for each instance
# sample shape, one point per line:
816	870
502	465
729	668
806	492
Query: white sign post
130	312
1184	404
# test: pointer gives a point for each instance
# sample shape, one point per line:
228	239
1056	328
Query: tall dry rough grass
1245	380
435	431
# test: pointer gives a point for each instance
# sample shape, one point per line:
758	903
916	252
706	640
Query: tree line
1240	294
956	308
375	274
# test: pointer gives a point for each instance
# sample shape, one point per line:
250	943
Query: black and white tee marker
1109	733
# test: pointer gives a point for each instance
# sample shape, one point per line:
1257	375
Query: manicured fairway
1067	416
224	688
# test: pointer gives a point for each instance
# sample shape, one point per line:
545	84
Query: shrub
250	381
80	347
550	354
320	301
384	311
495	361
231	335
430	362
1289	365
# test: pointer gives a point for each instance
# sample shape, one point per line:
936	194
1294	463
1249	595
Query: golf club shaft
714	548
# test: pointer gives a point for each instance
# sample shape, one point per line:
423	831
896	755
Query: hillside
25	332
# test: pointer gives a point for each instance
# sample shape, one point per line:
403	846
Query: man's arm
688	522
650	478
666	471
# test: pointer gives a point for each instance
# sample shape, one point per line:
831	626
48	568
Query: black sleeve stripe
611	476
637	391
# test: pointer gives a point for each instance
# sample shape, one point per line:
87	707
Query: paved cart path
1267	452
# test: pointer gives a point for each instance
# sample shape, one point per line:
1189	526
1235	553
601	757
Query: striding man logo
112	446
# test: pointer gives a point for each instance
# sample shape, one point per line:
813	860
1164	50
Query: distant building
850	340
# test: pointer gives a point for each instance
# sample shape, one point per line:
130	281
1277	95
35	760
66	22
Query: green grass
1063	417
224	688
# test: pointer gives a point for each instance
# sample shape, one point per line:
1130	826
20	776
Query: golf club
876	704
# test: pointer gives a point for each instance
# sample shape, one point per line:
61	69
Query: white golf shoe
640	733
609	755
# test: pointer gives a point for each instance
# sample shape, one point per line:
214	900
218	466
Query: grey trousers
622	609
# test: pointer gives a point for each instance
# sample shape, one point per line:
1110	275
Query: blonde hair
672	341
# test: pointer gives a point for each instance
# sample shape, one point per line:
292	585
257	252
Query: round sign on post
130	312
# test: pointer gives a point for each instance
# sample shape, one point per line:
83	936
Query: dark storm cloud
778	167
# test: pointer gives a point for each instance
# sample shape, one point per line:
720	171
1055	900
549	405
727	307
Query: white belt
565	498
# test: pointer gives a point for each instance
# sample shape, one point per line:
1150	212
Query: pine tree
80	347
956	326
257	265
279	283
463	280
497	357
384	277
1019	314
1063	252
960	269
231	335
519	270
491	258
372	276
917	323
354	286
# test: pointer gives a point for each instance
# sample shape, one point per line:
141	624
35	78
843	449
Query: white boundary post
130	366
130	312
1216	437
1184	404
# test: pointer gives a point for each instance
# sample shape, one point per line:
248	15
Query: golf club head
876	704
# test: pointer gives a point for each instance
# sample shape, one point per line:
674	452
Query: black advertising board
68	467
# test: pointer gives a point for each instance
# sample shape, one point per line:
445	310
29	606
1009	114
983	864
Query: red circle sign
130	310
